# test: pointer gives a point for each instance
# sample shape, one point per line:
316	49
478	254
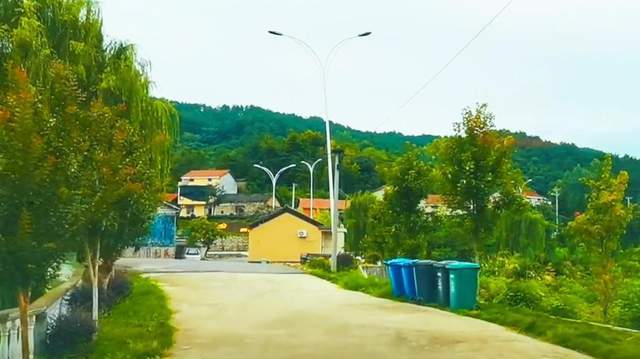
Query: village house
286	234
534	198
198	190
320	206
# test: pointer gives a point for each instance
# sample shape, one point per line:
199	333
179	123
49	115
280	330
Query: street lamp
323	65
311	168
524	185
274	180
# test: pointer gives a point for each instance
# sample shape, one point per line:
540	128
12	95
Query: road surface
263	315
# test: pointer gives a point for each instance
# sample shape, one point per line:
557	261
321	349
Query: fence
379	271
41	312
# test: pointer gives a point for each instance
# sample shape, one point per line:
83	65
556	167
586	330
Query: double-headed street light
274	180
324	67
311	168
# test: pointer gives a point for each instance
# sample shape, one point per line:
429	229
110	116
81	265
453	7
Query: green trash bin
463	282
442	282
426	282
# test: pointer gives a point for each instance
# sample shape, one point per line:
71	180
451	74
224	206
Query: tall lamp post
323	65
274	180
311	167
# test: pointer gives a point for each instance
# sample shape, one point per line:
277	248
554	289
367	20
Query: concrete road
239	315
232	265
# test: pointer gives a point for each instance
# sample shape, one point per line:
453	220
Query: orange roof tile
213	173
170	197
322	203
531	193
434	200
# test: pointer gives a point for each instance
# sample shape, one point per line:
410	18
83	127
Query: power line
451	60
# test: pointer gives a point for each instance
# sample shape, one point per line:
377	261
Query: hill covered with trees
237	137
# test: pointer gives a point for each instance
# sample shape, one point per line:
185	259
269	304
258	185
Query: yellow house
285	235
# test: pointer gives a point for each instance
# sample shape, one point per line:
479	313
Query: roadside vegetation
138	327
599	341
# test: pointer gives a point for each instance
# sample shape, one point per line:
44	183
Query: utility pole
293	196
274	180
311	167
334	219
628	201
556	192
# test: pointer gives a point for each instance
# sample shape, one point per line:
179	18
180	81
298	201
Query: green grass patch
354	280
138	327
594	340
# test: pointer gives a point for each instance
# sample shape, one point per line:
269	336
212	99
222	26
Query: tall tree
601	227
357	219
474	165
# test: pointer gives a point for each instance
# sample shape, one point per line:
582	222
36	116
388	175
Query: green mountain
238	136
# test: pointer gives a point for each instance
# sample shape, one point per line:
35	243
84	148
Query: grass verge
593	340
138	327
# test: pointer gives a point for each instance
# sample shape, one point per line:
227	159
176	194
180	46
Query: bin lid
425	262
408	262
396	261
444	263
463	265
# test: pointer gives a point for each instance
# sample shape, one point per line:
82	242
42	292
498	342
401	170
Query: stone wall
232	243
150	252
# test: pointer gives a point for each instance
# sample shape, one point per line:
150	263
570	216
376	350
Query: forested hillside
237	137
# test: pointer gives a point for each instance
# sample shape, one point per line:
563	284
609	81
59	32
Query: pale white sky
566	70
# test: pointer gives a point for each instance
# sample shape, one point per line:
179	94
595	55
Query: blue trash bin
409	278
395	276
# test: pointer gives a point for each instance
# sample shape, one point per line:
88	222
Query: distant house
241	204
320	205
198	190
212	177
286	234
378	193
534	198
434	203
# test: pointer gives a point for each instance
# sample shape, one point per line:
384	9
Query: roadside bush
492	289
346	262
626	309
526	294
564	306
372	258
354	280
69	333
119	286
319	263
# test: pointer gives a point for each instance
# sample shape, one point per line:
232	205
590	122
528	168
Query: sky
567	71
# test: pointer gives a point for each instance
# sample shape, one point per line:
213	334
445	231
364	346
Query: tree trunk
94	267
23	303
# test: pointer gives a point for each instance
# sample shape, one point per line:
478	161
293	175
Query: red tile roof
213	173
170	197
434	200
321	203
531	193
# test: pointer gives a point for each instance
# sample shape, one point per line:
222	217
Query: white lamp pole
311	168
274	180
323	65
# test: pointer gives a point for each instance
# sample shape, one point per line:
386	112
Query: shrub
372	258
69	332
564	305
626	309
119	286
346	262
319	263
354	280
525	294
492	289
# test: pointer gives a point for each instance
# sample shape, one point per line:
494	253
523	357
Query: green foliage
626	308
597	341
204	232
139	327
354	280
357	221
526	294
69	334
474	165
372	258
346	261
319	263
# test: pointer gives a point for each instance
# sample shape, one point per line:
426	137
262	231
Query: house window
190	179
239	210
190	210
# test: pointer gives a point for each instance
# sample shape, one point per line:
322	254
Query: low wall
379	271
234	243
150	252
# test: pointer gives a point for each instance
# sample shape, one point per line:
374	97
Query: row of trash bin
450	284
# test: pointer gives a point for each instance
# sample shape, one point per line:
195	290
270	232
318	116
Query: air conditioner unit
302	233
